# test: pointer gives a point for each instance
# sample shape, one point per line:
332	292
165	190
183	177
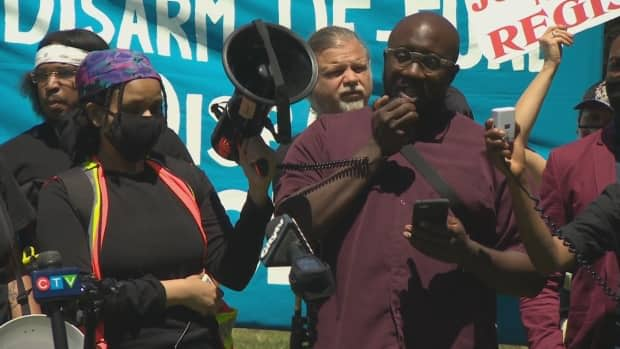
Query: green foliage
245	338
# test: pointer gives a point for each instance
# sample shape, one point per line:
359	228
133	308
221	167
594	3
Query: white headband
57	53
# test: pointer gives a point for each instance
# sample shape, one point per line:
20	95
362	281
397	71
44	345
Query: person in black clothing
151	246
49	147
16	214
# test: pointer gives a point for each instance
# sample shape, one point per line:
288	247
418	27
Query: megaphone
269	65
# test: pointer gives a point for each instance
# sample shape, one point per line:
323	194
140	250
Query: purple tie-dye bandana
101	70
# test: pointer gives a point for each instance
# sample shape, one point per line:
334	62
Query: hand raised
551	43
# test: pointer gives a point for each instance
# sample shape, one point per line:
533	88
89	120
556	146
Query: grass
245	338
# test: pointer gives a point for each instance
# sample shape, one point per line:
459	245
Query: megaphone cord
581	260
350	168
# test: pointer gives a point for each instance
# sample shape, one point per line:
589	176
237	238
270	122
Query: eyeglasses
429	61
41	77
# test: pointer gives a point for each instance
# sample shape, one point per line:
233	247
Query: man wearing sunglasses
440	292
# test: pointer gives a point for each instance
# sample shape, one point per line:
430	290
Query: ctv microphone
51	282
52	285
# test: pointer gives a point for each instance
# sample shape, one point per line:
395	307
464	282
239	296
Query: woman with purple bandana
147	238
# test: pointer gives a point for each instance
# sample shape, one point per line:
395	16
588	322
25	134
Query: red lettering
500	44
597	8
477	7
578	10
529	28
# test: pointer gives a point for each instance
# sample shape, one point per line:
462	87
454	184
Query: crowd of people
106	183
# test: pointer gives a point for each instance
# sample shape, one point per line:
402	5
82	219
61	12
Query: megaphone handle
281	95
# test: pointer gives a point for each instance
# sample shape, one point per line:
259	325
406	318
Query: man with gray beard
345	80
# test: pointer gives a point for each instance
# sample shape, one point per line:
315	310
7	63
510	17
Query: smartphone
433	211
504	118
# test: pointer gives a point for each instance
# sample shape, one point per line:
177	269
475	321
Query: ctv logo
55	282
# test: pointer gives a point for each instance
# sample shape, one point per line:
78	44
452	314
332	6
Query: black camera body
310	277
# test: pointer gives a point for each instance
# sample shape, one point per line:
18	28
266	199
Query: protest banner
184	40
509	28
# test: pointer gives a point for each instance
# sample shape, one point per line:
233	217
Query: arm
529	104
541	314
546	252
505	266
320	210
329	201
510	272
232	253
535	166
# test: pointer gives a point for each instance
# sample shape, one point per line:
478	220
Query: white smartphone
504	118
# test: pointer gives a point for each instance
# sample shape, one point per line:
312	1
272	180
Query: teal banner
184	39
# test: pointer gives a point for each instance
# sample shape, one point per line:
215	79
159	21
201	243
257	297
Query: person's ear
453	71
94	114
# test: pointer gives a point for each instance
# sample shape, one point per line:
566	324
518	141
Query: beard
351	105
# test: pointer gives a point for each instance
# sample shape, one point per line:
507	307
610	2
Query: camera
310	277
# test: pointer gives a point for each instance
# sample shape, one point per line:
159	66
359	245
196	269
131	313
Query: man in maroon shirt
439	293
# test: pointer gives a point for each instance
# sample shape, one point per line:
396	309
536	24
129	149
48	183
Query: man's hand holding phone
437	234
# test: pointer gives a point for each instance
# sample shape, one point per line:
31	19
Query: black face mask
133	135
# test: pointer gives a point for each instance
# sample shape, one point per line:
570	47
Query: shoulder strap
182	191
435	180
79	192
87	195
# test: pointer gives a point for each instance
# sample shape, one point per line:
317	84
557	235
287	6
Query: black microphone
310	277
52	285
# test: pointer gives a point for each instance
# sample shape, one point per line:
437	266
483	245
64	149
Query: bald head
420	61
428	27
